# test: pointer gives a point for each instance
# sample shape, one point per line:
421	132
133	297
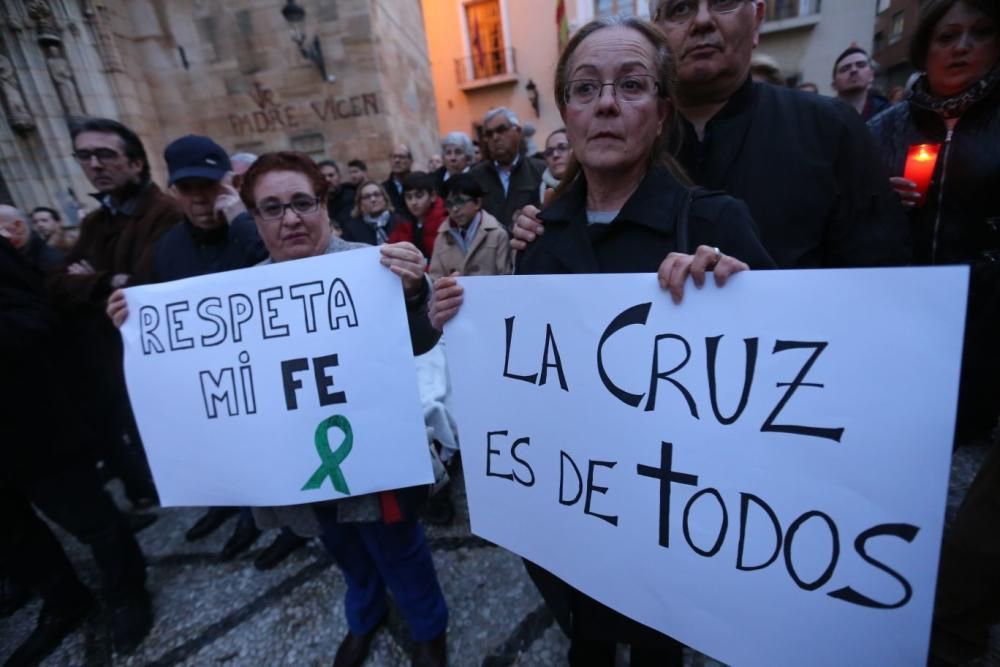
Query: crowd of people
680	156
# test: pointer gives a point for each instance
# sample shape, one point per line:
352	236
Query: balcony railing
485	65
780	10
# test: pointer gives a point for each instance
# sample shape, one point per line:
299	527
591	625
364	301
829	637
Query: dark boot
209	521
13	595
438	510
243	537
131	621
277	551
140	521
433	653
55	623
353	651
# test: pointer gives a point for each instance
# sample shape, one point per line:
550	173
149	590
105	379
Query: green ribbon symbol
330	466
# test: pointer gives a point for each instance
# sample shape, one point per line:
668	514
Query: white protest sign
275	385
759	472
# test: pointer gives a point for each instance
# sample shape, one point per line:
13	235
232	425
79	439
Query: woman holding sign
942	146
621	208
374	538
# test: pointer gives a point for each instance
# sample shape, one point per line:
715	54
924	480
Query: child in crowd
471	241
425	207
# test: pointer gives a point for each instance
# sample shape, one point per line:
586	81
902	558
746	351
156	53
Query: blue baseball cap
194	156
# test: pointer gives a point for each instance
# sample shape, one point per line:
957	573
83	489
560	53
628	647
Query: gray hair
460	139
245	158
505	112
15	213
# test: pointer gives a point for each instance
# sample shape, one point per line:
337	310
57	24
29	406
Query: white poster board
276	385
606	437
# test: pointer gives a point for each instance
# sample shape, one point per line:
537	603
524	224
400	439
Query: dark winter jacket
39	426
41	255
959	224
187	251
643	233
356	230
523	190
116	239
808	172
340	204
637	241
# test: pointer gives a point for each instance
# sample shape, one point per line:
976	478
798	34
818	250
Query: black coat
40	426
397	199
186	251
525	178
41	255
340	205
357	230
637	241
808	172
643	234
959	224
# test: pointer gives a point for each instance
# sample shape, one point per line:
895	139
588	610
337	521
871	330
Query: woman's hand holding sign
407	262
117	308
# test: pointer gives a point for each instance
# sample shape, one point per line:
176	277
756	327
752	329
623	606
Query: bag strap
682	230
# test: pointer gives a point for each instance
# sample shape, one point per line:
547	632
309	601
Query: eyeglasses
629	88
457	202
682	11
401	156
371	195
103	155
498	130
558	148
275	210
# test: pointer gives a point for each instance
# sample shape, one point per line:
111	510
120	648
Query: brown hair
356	211
666	77
282	161
931	14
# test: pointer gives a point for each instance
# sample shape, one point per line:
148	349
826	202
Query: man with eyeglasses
804	164
115	249
853	75
216	234
401	161
510	179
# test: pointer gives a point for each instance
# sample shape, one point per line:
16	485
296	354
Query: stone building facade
228	69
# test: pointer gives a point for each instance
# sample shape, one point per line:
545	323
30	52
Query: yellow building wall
530	29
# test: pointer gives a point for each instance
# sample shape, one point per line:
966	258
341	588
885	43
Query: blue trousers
375	555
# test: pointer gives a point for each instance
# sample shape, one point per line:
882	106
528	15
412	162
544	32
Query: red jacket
428	232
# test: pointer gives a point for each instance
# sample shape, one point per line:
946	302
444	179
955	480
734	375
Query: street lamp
533	96
295	16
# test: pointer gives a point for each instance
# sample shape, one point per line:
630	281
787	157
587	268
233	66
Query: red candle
920	162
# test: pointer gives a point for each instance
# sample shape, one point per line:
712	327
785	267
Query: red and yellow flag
562	23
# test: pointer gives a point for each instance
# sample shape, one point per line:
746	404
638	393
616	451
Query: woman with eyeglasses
557	152
955	104
471	241
382	545
621	208
373	218
375	538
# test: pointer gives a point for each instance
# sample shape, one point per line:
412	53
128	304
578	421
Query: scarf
953	107
549	180
378	226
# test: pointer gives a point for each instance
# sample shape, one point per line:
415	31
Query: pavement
228	614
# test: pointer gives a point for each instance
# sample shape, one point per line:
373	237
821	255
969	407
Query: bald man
14	226
401	161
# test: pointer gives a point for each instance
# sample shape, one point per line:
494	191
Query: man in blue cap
216	234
